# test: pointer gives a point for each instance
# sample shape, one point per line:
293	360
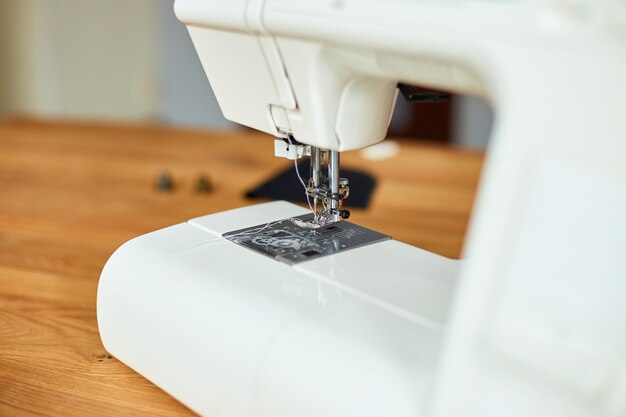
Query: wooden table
70	194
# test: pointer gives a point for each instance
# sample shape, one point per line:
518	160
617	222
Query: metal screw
203	185
164	182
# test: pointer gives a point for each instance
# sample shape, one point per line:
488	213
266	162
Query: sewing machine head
321	95
316	97
307	95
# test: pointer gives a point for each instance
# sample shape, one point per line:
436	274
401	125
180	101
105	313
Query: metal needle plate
287	242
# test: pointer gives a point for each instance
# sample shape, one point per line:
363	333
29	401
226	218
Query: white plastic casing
286	86
230	332
537	325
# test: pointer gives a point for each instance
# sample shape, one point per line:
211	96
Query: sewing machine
271	310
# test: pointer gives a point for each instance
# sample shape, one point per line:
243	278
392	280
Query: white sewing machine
263	322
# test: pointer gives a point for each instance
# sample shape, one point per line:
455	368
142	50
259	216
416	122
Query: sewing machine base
230	332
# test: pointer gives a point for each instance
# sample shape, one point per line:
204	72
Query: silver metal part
316	176
327	191
344	190
333	178
287	241
316	166
330	191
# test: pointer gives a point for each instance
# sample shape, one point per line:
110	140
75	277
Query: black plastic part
344	214
419	95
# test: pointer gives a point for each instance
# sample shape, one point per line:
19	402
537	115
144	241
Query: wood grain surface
70	194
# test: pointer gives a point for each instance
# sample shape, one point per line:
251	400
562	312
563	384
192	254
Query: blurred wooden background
70	194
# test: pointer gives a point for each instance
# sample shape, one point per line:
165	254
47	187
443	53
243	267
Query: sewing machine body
532	322
235	333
